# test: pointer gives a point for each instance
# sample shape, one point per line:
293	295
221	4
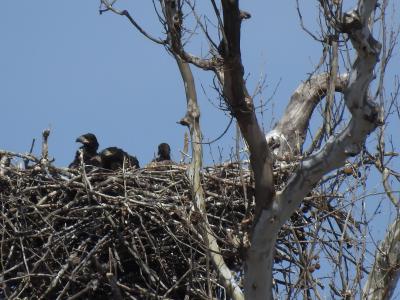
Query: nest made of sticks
132	234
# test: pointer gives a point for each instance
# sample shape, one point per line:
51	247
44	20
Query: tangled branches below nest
131	234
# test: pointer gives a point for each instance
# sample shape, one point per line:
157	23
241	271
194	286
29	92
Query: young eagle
89	150
113	158
164	153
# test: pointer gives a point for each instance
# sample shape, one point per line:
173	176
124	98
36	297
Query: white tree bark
385	273
289	133
365	118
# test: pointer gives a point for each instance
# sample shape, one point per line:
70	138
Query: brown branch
174	31
109	6
259	257
242	107
330	97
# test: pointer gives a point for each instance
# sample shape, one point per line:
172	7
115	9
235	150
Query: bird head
113	152
112	158
88	140
164	151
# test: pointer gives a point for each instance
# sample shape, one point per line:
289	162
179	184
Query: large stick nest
133	234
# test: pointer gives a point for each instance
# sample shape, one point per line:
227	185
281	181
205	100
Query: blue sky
64	66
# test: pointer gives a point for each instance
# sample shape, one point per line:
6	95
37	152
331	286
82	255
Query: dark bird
89	150
164	152
113	158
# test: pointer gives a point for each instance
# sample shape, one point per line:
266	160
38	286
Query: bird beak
82	140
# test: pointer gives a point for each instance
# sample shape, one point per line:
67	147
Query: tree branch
385	273
109	6
242	107
174	23
289	133
259	258
365	118
192	120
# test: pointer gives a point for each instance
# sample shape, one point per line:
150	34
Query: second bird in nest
114	158
111	158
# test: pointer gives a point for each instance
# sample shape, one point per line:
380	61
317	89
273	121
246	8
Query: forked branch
289	133
366	116
192	120
242	107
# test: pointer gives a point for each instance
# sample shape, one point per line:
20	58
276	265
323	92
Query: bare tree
332	147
